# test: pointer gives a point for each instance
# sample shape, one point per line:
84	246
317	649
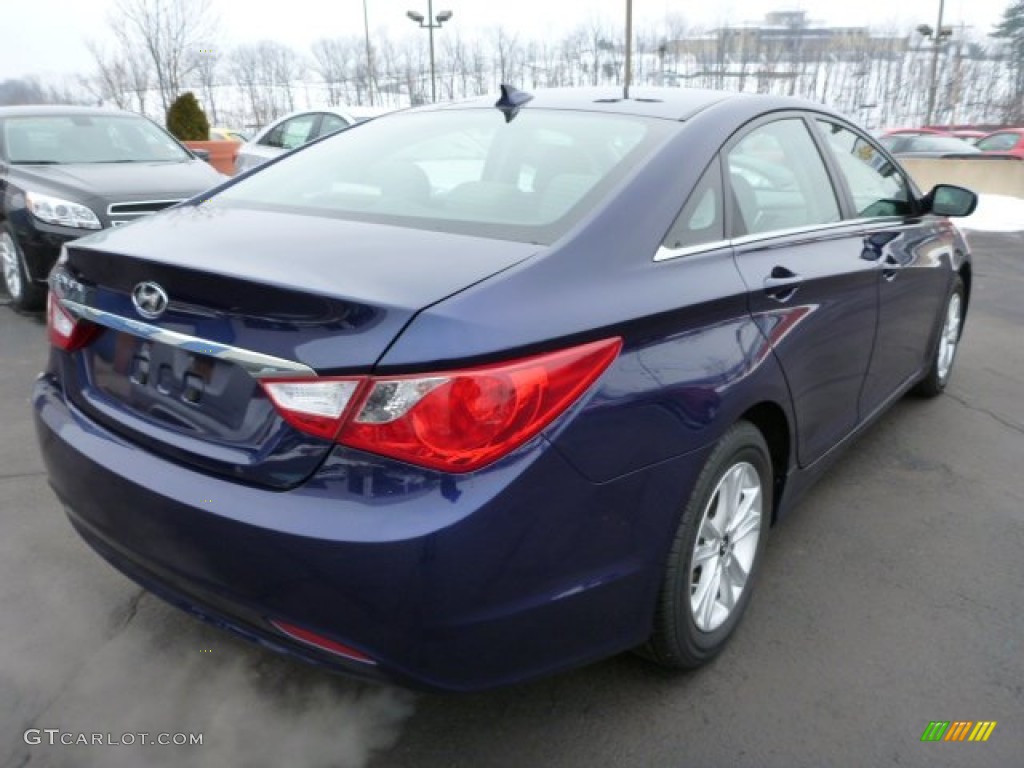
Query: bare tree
170	32
208	69
331	63
113	80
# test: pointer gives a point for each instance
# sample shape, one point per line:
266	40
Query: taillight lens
454	421
313	406
65	330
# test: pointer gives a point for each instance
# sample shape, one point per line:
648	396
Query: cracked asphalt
893	596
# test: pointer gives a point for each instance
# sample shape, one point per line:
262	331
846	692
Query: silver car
298	128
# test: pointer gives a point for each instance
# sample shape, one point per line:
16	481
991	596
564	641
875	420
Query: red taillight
454	421
319	641
65	330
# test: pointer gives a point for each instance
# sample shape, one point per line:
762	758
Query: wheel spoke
713	527
705	607
748	524
704	553
751	498
735	574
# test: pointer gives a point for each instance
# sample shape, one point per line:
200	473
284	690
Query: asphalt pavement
893	596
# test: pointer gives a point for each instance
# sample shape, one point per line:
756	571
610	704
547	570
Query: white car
298	128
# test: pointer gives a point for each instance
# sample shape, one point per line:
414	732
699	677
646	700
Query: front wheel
25	295
938	374
715	552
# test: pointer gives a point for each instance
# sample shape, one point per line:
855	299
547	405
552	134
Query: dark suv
66	171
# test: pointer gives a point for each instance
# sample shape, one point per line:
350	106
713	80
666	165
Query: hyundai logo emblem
150	299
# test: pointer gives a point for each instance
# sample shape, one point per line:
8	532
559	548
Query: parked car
927	145
66	171
298	128
228	134
480	392
1009	141
969	135
915	132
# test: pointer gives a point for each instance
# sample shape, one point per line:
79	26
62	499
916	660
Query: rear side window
702	219
331	124
291	133
777	180
877	188
464	171
998	142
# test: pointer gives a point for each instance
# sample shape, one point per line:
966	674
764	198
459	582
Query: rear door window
331	124
291	133
777	180
998	142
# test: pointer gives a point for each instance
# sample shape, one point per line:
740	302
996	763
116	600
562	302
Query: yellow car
227	134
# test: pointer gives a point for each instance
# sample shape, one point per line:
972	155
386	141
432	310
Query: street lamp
936	36
430	25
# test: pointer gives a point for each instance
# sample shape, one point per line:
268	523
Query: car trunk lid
247	294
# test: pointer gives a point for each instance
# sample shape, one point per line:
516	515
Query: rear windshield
938	144
71	139
465	171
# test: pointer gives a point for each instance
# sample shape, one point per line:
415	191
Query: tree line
164	47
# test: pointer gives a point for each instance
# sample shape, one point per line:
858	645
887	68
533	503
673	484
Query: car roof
42	110
667	103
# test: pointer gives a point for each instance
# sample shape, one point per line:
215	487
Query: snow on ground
996	213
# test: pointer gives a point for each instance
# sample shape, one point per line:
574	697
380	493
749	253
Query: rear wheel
715	553
25	295
945	351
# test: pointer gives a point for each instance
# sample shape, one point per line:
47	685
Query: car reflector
319	641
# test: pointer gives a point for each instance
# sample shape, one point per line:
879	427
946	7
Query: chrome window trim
256	364
667	254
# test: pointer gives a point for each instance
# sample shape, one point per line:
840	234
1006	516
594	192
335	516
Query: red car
1007	141
915	132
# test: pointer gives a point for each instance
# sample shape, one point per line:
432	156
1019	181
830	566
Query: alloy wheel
726	546
949	338
9	265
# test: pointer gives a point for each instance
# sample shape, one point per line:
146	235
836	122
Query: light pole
933	81
628	75
369	54
430	25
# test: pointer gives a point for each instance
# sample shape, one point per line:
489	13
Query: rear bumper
450	583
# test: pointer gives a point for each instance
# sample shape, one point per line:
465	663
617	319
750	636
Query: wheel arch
770	420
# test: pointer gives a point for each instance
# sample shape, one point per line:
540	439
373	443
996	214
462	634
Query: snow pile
995	213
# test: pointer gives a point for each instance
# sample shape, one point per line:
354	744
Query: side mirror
948	200
202	154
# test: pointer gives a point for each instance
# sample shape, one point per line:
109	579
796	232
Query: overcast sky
47	37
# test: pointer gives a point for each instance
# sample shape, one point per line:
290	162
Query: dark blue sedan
483	391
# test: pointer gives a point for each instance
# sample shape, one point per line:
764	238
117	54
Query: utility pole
933	82
629	50
369	54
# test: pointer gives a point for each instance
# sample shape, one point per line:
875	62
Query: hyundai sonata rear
471	394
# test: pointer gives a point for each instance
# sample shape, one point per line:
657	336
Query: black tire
25	295
677	642
938	374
